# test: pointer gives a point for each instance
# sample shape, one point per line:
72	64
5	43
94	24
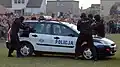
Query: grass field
58	61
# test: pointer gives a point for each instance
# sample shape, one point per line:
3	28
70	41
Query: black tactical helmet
83	15
97	17
21	18
90	16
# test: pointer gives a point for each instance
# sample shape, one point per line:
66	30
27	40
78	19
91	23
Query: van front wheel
87	54
26	49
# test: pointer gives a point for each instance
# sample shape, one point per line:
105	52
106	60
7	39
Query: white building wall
37	10
29	10
19	6
76	8
43	7
32	10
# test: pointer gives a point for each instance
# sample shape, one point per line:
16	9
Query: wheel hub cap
87	54
24	50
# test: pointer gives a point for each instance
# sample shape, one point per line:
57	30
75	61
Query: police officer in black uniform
15	43
84	26
99	26
90	16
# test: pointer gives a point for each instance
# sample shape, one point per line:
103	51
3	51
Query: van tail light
108	49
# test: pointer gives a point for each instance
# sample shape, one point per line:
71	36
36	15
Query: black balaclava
97	17
90	16
83	15
21	18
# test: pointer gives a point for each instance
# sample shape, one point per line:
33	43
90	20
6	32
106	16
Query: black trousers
15	45
11	50
80	48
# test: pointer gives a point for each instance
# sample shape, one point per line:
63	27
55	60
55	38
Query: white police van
59	37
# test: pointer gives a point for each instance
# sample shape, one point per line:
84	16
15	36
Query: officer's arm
23	26
78	25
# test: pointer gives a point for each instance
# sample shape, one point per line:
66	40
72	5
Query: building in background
26	7
4	10
110	8
94	9
64	6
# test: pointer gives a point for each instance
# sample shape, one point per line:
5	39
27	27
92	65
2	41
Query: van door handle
56	38
34	35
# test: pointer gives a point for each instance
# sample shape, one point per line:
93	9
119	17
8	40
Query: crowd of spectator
6	21
112	27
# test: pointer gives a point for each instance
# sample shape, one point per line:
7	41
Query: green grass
59	61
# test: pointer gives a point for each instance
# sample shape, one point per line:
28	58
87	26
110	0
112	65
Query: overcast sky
87	3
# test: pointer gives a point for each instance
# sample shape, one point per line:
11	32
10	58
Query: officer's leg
93	49
78	47
11	48
90	41
18	52
10	52
18	49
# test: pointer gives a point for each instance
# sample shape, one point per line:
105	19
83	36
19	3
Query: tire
87	54
26	49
